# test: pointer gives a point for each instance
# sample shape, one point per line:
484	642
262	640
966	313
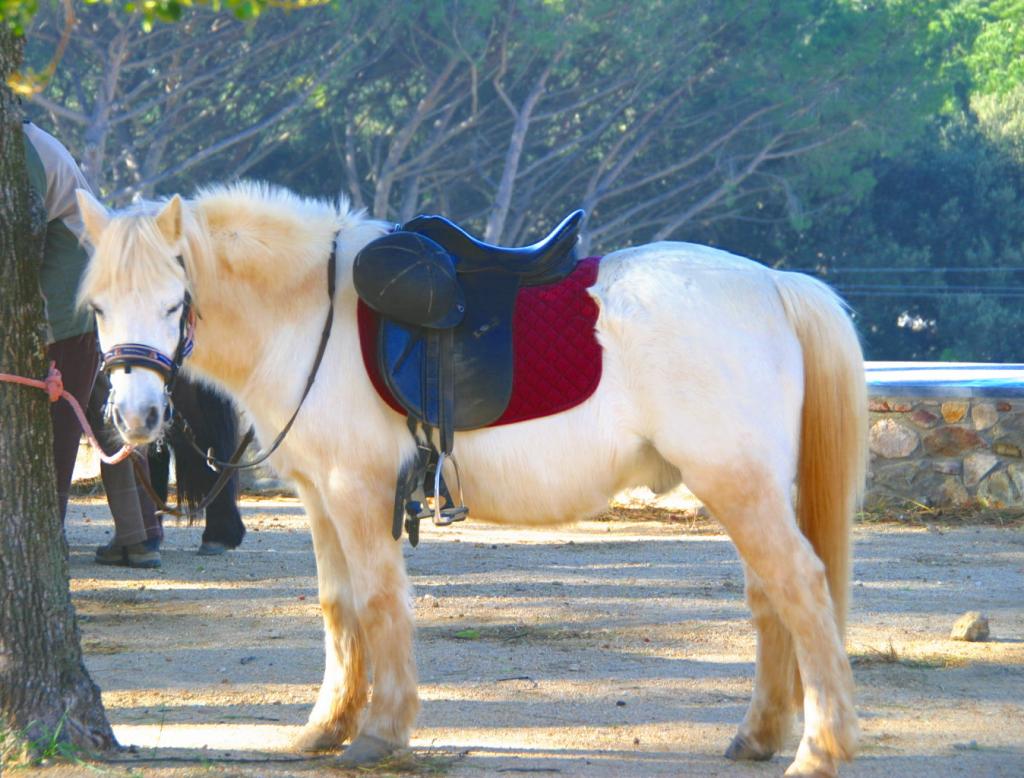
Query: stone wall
946	452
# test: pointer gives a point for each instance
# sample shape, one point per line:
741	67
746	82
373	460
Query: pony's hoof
313	739
742	749
367	750
812	761
796	771
211	548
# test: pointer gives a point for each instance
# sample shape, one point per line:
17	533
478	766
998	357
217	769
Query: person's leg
223	520
118	480
160	469
150	518
77	360
127	546
123	500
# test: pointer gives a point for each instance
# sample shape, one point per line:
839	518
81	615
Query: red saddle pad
557	357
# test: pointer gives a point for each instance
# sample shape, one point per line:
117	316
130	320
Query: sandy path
604	649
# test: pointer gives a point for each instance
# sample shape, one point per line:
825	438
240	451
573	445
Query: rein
142	474
169	368
325	335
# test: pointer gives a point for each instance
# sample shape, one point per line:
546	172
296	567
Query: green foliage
996	57
37	745
880	135
18	13
932	258
1001	119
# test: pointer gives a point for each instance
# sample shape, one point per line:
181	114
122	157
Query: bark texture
44	687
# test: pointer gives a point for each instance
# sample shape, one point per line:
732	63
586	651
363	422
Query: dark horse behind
214	425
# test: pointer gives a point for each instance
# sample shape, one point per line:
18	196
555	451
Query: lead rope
53	385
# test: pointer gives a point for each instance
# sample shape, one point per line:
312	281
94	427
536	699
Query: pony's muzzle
140	425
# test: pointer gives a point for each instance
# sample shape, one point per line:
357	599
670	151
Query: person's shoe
211	548
140	555
135	555
111	555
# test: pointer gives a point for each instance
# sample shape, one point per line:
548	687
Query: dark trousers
77	359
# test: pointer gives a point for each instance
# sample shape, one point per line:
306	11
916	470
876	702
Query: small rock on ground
972	626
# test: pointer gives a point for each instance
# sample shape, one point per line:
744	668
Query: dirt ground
610	648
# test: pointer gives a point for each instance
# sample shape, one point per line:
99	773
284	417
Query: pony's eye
96	309
173	309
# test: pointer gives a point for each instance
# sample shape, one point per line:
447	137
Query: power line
911	293
817	271
925	288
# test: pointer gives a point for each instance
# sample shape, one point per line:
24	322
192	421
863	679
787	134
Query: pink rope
53	385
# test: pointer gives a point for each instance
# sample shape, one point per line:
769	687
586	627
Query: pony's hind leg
342	697
776	682
756	511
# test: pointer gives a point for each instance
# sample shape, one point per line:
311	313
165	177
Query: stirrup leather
421	492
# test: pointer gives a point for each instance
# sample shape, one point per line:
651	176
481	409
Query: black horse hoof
211	548
741	749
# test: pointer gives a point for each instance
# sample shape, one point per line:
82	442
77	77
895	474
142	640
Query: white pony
740	381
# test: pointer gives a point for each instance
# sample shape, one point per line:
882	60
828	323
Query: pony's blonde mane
132	254
249	228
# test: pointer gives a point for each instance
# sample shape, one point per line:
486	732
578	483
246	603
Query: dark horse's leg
212	420
159	470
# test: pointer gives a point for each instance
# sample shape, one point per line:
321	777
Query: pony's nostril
153	417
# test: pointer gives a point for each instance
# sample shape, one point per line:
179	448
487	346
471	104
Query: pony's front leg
339	705
380	592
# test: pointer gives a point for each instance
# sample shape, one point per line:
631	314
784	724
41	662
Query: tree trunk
45	691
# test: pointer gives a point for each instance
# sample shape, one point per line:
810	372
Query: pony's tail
833	427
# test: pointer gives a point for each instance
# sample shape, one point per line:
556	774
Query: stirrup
445	516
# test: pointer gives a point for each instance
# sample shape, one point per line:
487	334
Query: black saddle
445	301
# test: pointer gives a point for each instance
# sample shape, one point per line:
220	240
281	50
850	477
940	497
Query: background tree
44	688
505	115
929	249
932	259
211	94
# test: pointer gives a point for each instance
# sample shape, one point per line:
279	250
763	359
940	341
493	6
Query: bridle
127	356
130	355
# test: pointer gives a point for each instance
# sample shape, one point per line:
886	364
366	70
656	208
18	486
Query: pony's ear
94	215
168	221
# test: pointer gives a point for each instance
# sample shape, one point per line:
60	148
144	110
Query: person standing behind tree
137	528
54	176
